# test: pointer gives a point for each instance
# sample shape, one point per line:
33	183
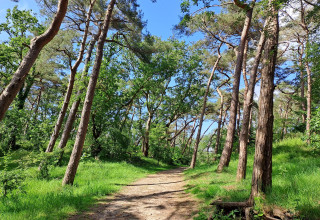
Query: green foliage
258	207
179	158
315	128
158	146
114	144
18	26
11	181
46	161
313	58
12	125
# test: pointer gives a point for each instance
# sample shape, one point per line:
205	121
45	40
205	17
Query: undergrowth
295	187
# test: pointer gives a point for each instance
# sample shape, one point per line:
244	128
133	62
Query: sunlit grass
47	199
296	180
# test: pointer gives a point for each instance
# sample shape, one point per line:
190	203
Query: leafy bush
11	181
315	128
10	127
114	144
181	159
45	163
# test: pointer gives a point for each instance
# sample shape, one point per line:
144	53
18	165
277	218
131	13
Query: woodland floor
155	197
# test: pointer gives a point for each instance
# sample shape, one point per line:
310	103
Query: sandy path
158	196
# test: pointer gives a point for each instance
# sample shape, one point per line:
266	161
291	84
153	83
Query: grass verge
47	199
295	187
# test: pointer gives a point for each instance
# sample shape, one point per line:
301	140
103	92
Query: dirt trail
158	196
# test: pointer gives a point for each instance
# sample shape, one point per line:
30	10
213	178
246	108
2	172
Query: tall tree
220	120
244	133
262	167
227	150
204	106
85	115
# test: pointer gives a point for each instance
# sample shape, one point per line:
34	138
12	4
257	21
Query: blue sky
161	16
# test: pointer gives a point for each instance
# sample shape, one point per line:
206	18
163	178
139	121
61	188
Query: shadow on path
158	196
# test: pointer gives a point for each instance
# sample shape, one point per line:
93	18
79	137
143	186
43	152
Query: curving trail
159	196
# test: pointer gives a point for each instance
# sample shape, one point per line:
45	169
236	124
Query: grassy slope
296	180
47	199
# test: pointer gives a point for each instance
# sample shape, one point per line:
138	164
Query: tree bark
309	86
238	119
36	45
194	127
226	153
247	107
68	94
85	116
217	144
262	168
146	135
195	151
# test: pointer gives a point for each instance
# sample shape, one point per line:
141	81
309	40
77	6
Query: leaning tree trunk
226	153
75	105
195	151
217	144
244	133
262	167
85	116
36	46
68	94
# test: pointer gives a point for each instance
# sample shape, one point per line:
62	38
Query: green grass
296	180
47	199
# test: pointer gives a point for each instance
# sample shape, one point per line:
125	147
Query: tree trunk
247	109
217	145
85	116
309	85
146	135
68	94
37	43
262	168
96	133
194	127
238	119
38	101
194	156
226	154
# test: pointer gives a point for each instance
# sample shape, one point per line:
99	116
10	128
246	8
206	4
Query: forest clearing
159	109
